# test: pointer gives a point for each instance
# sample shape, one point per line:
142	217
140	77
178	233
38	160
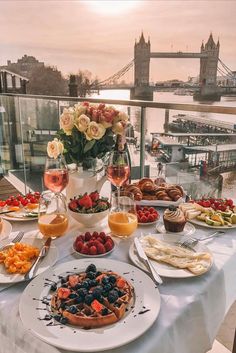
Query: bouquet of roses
87	131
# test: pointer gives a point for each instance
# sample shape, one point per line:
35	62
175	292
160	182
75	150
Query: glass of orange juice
53	218
122	218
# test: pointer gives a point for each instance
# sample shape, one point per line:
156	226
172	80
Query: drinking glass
53	219
122	218
56	175
118	169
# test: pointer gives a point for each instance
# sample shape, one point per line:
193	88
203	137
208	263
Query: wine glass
118	169
122	218
56	175
53	219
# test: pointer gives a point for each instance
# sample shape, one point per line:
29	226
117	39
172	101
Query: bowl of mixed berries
89	209
147	215
93	244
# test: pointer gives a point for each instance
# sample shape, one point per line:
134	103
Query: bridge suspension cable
116	76
227	69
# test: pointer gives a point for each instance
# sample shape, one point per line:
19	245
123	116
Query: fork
193	241
15	240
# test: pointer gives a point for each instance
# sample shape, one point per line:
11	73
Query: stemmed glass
53	219
118	169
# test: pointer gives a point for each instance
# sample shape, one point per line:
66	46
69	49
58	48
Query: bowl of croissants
150	192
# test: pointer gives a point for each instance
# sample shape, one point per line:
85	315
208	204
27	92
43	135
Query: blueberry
63	306
82	292
79	300
107	287
72	309
78	286
112	279
72	295
63	280
64	285
57	317
97	294
105	311
121	293
94	283
88	299
90	275
63	320
90	283
112	296
85	284
105	280
98	273
105	294
91	268
53	287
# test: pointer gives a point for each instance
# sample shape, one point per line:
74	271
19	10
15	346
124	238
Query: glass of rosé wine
56	176
118	169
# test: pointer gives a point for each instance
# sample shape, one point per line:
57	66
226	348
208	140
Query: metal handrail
204	108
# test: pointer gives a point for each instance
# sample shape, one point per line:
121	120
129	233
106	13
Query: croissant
160	195
148	197
146	185
135	191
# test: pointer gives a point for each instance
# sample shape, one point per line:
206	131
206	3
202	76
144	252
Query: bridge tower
141	90
208	70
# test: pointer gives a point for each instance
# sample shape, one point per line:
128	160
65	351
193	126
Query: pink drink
118	175
56	179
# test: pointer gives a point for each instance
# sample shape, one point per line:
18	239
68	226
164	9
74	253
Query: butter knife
143	257
43	252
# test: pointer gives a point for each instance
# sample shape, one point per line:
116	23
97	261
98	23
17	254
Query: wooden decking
7	189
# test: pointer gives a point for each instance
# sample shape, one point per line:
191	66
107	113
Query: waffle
92	299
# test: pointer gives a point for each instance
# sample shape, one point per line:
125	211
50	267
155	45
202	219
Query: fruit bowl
89	219
95	244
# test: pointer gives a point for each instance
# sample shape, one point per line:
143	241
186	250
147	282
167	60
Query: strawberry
93	250
100	248
85	249
63	293
24	202
96	305
73	205
108	245
94	196
85	201
15	203
73	280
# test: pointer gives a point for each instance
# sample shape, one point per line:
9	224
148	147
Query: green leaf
89	145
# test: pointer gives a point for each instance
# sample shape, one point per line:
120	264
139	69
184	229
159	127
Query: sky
99	35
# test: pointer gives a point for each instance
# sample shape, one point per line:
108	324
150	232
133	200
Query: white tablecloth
191	309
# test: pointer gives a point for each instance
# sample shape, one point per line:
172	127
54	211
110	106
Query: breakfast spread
214	213
176	256
147	189
92	298
21	206
146	214
18	258
89	203
174	219
93	243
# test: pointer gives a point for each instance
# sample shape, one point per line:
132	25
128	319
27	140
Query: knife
43	252
143	257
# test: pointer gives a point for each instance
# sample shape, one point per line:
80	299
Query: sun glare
112	7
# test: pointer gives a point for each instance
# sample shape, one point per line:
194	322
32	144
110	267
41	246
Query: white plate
163	269
94	256
160	203
204	224
18	216
44	265
148	223
189	229
6	229
72	338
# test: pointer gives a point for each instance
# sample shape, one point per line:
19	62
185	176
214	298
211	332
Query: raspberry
147	213
108	245
95	234
154	215
100	248
150	218
143	219
102	235
152	210
91	243
78	245
81	237
100	240
87	236
93	250
85	249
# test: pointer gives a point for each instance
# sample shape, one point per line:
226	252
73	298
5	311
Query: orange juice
53	225
122	224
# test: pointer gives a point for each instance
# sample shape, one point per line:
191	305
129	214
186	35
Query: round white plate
18	216
44	265
148	223
189	229
204	224
6	229
94	256
72	338
163	269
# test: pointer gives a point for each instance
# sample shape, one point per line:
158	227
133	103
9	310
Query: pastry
174	219
146	185
135	191
92	299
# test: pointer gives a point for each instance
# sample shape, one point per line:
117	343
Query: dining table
191	309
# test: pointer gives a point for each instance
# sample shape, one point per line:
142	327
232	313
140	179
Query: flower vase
87	176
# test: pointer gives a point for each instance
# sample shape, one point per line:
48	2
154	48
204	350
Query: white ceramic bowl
89	219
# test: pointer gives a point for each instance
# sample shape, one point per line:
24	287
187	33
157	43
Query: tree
47	80
85	83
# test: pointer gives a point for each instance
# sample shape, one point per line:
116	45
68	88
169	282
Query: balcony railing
28	122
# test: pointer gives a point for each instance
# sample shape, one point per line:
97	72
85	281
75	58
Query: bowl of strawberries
147	215
93	244
89	209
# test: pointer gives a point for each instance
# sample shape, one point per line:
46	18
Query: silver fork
193	241
14	240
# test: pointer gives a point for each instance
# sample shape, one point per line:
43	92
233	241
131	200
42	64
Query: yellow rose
119	128
121	117
95	131
54	148
67	120
82	122
79	110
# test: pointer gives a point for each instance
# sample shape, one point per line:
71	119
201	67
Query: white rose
122	116
79	110
95	131
67	120
54	148
82	122
119	128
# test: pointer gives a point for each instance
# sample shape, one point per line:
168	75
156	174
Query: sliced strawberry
63	293
73	280
120	283
96	305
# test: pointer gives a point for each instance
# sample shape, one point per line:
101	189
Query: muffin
174	219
